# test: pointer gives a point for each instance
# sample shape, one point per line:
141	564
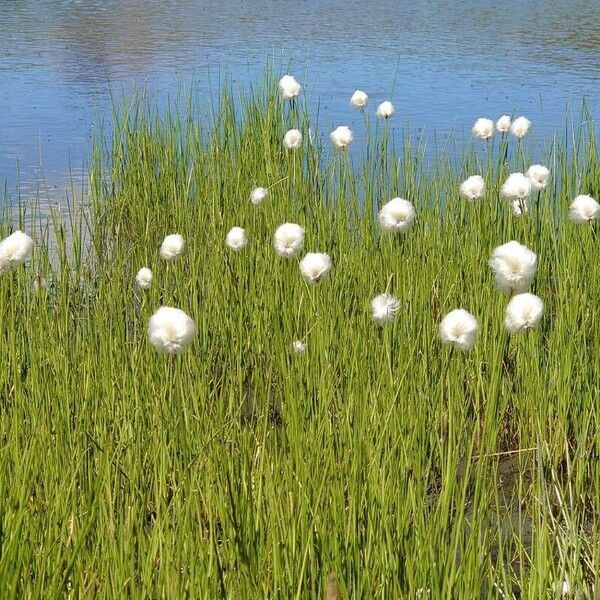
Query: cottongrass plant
473	188
314	266
172	246
520	127
341	137
384	309
292	140
289	240
380	458
483	129
386	110
236	239
289	88
359	100
143	278
538	175
397	216
170	330
14	250
299	347
584	209
458	329
517	189
514	267
524	311
503	124
258	195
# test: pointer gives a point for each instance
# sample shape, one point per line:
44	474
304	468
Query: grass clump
377	463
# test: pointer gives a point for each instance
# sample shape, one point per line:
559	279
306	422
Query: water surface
443	63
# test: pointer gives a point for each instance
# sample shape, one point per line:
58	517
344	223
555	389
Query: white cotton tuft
236	238
520	127
14	250
503	124
514	267
341	137
299	347
520	207
258	195
523	312
397	215
538	175
386	110
289	88
459	329
584	209
172	246
516	187
483	129
292	140
473	187
314	266
288	240
384	308
359	99
170	330
143	278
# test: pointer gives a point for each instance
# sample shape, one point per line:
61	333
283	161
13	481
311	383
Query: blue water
442	62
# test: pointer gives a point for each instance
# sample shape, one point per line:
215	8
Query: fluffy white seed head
172	246
397	215
384	309
520	127
359	99
584	209
341	137
516	187
386	110
459	329
503	124
170	330
483	129
514	267
523	312
236	238
288	240
258	195
288	87
473	187
520	207
143	278
292	140
299	346
14	250
538	175
314	266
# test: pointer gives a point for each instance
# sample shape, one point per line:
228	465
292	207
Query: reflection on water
442	62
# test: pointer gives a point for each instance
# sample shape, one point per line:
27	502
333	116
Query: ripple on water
442	63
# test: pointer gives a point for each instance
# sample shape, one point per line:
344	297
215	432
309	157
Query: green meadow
379	462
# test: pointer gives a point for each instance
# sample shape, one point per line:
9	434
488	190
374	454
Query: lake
442	63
